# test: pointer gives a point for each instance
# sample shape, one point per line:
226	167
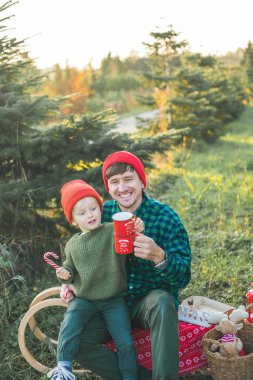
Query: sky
79	32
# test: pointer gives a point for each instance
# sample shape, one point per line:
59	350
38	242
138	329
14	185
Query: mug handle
134	218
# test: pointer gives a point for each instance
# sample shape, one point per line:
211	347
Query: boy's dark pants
117	320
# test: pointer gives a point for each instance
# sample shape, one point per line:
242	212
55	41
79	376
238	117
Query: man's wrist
160	256
162	264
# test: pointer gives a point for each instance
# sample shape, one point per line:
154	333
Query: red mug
124	233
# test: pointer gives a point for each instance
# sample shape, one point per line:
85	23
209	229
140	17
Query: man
159	267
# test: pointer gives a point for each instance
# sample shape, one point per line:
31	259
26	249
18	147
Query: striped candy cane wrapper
66	293
50	262
55	266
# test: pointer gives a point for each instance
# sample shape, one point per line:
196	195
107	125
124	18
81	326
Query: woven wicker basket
240	368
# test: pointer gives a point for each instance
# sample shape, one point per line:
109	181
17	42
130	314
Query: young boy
99	277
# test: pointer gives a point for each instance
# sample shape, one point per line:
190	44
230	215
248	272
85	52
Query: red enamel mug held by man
124	232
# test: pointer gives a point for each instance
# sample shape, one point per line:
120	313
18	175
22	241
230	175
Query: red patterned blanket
191	355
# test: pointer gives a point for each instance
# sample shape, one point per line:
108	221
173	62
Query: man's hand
146	248
138	225
63	273
67	292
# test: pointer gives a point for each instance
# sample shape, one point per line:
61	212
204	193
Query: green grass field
211	188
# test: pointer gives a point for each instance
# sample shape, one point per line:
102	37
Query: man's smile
125	195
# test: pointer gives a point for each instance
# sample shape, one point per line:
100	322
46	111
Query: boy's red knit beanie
72	192
126	158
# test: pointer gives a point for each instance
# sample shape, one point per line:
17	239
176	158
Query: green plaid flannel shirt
164	226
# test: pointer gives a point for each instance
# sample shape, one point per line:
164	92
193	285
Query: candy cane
50	262
66	293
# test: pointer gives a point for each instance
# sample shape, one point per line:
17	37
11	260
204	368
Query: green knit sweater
97	271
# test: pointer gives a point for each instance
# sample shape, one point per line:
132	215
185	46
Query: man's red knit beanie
72	192
126	158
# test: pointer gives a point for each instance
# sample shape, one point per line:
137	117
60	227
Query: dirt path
129	124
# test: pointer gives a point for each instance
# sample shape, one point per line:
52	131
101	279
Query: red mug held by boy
124	232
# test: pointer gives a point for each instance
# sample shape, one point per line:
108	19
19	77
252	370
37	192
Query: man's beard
130	206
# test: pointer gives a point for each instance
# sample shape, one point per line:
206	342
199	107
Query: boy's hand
138	225
63	273
67	292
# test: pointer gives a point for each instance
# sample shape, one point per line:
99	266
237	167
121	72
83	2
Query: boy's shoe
60	373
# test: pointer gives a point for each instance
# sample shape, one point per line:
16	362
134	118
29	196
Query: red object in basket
249	296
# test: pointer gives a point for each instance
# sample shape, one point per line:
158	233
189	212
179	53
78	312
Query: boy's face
86	214
126	190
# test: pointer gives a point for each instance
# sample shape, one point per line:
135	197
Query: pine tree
206	96
163	53
248	62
